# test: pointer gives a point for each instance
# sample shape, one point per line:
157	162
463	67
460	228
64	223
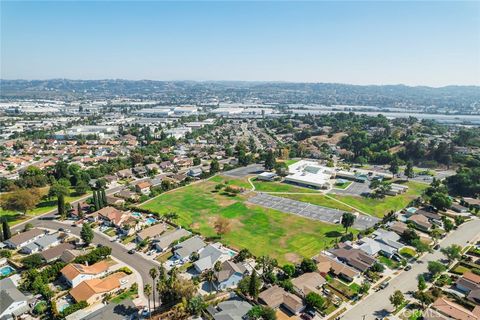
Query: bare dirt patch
293	257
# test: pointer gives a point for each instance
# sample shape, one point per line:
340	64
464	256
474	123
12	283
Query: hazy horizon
433	44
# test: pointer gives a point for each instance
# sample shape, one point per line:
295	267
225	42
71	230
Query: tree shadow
333	234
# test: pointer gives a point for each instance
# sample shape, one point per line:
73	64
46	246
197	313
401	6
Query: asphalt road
137	262
377	305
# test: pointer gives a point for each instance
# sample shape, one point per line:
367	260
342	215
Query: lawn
388	262
43	207
408	252
318	199
380	207
342	185
263	231
242	183
289	162
266	186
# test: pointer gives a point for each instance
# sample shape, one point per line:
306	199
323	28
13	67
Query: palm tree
147	289
162	278
153	273
210	277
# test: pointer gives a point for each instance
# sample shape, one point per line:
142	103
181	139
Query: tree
409	170
103	197
397	299
170	216
314	300
58	189
308	265
243	255
348	219
394	167
7	234
409	235
221	225
441	201
196	305
420	246
147	289
32	261
447	224
253	285
422	285
289	270
259	312
20	200
269	160
153	274
435	268
86	233
210	277
424	297
452	252
214	166
365	286
81	188
377	267
61	206
80	211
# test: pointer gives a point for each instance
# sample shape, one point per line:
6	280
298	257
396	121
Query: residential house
164	241
209	256
114	217
229	275
235	309
184	250
469	283
152	167
70	254
177	178
353	257
195	172
22	239
276	297
421	222
166	166
13	303
94	290
127	195
56	252
455	311
398	227
112	200
125	173
41	244
385	243
308	282
431	216
459	208
151	232
75	273
139	171
143	187
327	265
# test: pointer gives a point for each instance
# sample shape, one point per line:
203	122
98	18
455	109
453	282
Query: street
377	305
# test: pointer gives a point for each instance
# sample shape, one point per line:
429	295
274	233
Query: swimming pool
137	214
6	270
150	220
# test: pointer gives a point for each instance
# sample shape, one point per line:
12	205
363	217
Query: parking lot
309	210
245	171
354	189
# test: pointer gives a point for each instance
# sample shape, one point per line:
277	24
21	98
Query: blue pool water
6	270
150	220
137	214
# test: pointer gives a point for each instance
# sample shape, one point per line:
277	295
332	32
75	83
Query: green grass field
266	186
45	206
263	231
380	207
343	185
289	162
242	183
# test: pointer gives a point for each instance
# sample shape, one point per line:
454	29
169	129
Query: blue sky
389	42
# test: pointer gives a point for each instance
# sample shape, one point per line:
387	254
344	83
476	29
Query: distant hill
454	98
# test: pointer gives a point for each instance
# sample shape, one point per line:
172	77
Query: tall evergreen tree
7	234
1	236
61	206
253	285
96	201
79	210
104	199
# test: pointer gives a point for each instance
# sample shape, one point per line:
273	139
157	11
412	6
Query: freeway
377	304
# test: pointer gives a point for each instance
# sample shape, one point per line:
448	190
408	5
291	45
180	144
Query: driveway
245	171
378	305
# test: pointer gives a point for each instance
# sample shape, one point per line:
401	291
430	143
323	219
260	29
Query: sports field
263	231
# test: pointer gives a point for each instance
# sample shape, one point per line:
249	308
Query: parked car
408	267
436	247
131	251
384	285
